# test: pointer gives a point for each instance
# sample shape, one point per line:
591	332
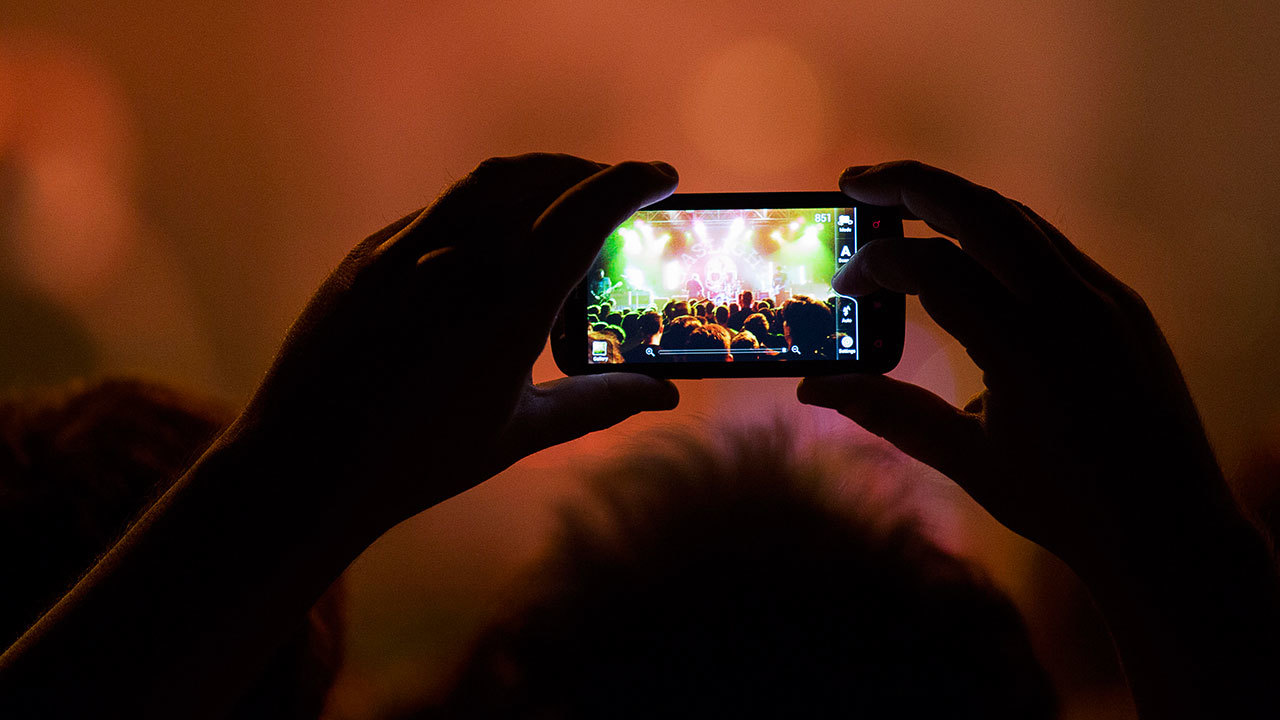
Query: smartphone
705	285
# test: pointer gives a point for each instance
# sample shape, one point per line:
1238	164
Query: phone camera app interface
736	285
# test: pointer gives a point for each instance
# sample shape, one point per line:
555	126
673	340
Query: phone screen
740	285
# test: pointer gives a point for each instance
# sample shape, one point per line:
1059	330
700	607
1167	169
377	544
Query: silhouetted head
650	324
710	337
808	322
745	340
676	334
617	333
77	466
675	309
631	324
731	582
756	324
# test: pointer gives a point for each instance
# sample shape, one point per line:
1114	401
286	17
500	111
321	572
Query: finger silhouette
568	236
989	226
958	293
1086	267
914	420
562	410
492	205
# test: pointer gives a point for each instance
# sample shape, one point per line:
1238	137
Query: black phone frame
882	327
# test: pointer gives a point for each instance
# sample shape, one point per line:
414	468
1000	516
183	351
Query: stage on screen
723	285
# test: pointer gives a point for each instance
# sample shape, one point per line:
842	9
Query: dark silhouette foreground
369	416
77	466
729	580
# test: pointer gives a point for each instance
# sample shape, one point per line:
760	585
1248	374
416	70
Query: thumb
561	410
916	421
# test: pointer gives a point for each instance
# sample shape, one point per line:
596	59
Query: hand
409	371
1085	439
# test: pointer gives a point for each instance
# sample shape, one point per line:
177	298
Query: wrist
1194	609
308	482
1211	547
1144	517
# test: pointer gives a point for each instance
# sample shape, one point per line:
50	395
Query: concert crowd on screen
695	329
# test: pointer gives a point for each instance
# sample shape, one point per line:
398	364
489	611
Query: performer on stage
779	280
600	286
694	287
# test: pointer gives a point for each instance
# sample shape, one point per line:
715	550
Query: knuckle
633	169
564	159
1106	315
539	161
1132	303
1091	315
497	165
936	247
910	165
1010	213
906	169
493	164
1022	208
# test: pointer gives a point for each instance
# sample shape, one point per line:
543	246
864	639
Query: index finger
568	236
990	227
508	192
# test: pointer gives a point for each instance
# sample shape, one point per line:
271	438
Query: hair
650	324
615	351
744	340
619	335
710	337
676	334
631	324
675	309
809	322
731	581
78	464
722	315
756	324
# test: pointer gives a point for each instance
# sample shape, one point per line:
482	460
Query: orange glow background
178	177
